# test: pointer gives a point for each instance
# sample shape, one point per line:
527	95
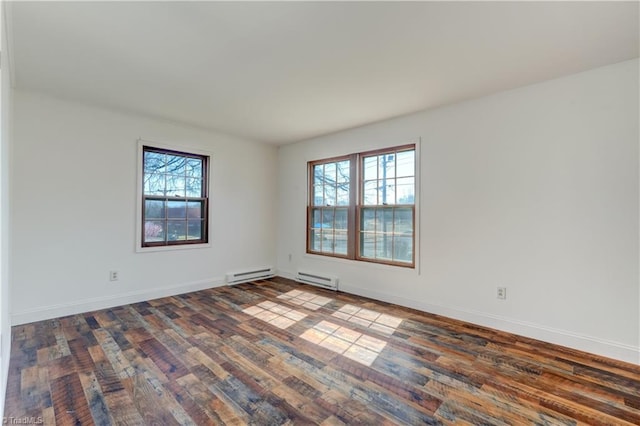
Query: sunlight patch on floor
303	298
275	314
384	323
345	341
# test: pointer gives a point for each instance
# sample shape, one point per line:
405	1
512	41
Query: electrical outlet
290	257
502	293
114	275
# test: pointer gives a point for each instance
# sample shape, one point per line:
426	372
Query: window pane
344	171
195	209
330	174
318	195
154	184
318	174
316	216
316	240
194	168
370	195
329	195
367	220
343	195
406	190
403	221
387	166
388	191
370	165
405	163
402	248
341	219
176	165
177	209
384	244
193	187
384	220
367	245
176	230
327	240
327	218
153	231
175	186
154	209
194	229
154	162
340	242
315	232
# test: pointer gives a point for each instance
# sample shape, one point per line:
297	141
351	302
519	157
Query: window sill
172	248
353	262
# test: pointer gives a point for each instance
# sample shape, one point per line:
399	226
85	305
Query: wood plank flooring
277	352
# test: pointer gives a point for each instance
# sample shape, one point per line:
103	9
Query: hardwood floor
277	352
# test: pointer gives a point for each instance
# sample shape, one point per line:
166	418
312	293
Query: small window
175	201
377	224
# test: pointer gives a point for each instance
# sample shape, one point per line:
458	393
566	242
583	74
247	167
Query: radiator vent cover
250	275
320	280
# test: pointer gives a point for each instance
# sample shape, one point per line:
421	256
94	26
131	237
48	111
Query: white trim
97	303
7	32
174	146
359	263
169	248
8	70
139	172
417	211
608	348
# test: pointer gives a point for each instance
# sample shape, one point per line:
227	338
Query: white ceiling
283	72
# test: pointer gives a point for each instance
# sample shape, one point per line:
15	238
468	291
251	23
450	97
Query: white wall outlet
114	275
501	293
290	256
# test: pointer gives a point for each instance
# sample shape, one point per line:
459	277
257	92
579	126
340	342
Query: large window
362	206
174	198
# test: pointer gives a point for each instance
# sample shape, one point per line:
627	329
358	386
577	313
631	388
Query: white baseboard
97	303
603	347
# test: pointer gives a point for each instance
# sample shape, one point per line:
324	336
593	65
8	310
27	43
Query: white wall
534	189
73	204
5	219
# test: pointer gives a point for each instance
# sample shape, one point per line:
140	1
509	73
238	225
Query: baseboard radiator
319	280
250	275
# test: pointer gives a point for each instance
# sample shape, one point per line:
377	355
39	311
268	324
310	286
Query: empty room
327	213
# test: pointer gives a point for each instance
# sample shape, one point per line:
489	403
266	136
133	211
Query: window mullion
352	219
